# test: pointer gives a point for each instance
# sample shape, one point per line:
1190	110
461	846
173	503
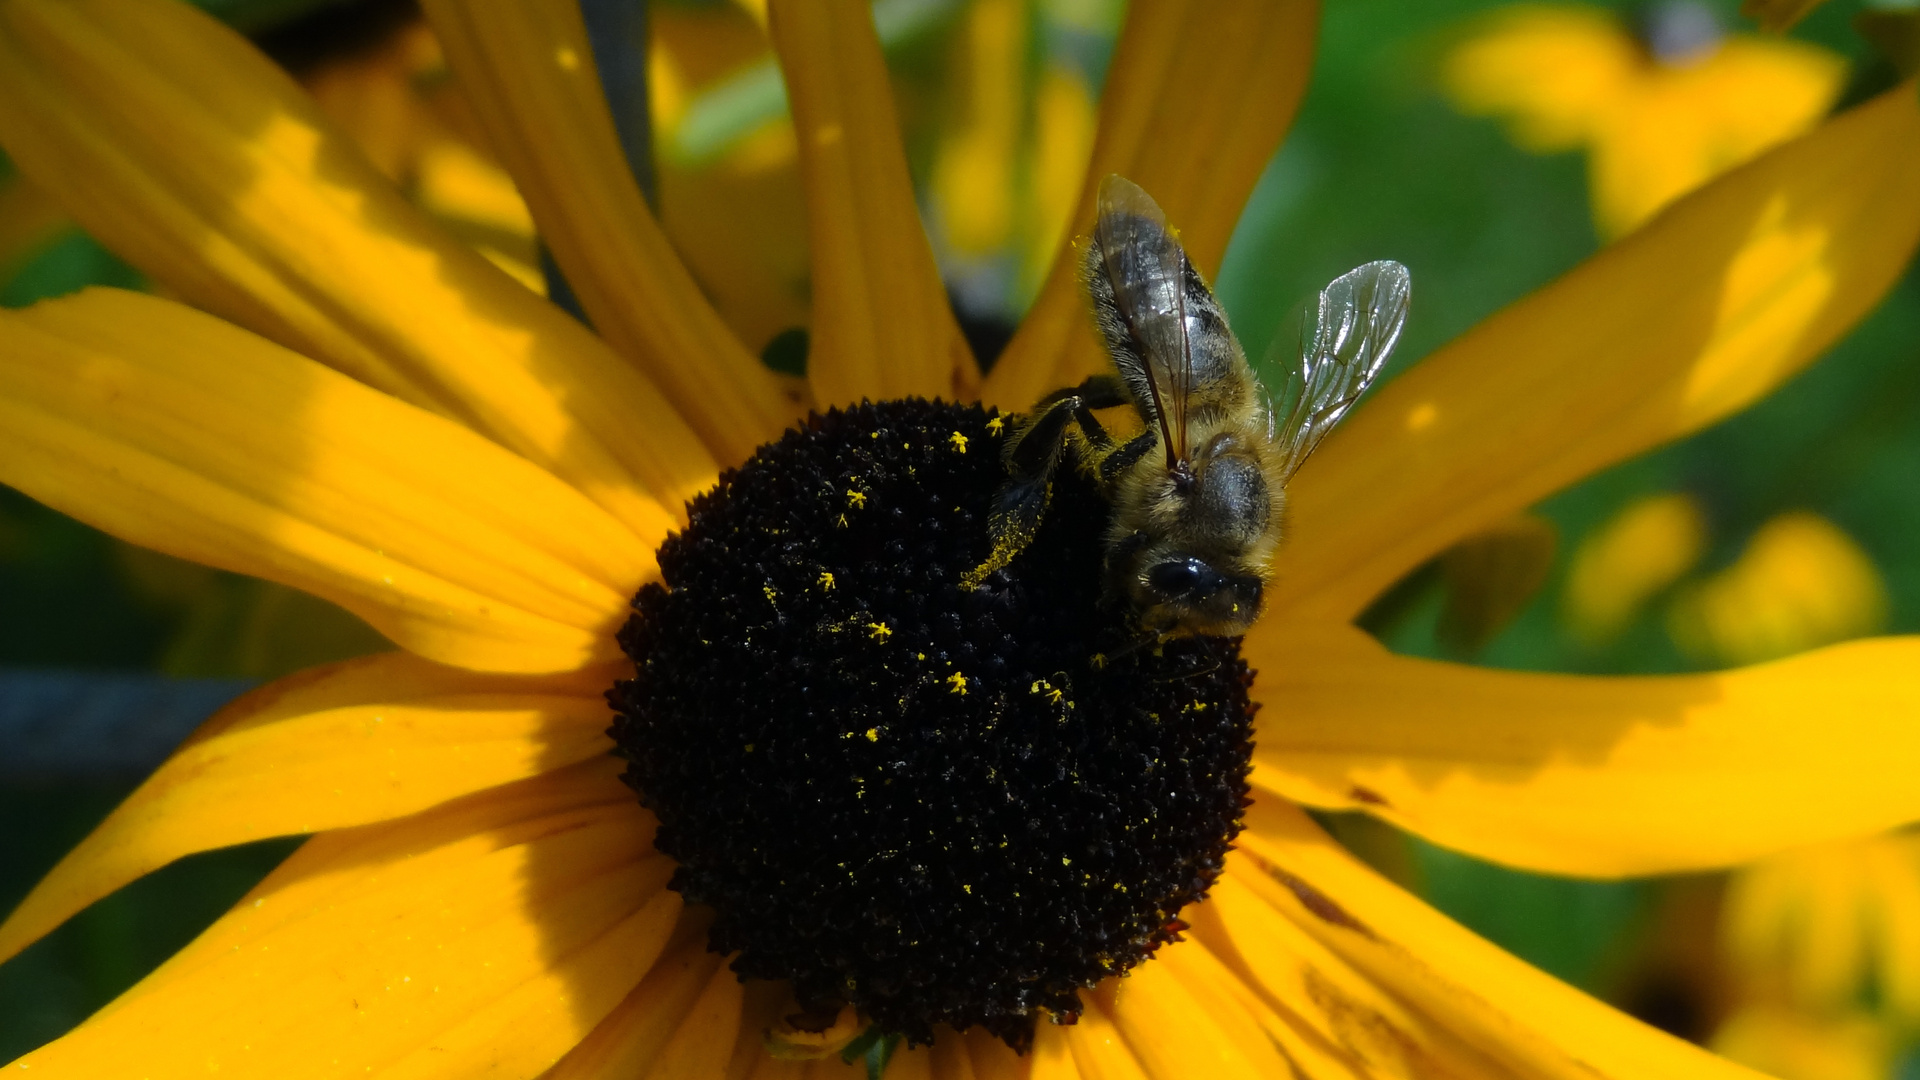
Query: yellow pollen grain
879	631
857	499
873	734
772	597
996	425
826	581
1099	661
958	682
958	442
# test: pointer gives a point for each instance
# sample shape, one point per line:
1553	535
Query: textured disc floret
936	804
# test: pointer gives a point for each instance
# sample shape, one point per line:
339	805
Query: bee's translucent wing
1148	268
1342	347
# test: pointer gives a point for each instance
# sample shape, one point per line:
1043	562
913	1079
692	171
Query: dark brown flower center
940	806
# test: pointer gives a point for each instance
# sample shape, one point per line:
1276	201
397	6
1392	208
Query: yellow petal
1174	1029
678	1022
1525	1020
1705	309
177	431
529	71
1599	776
1350	1025
187	152
1092	1049
882	327
906	1064
353	743
1225	993
485	937
1197	98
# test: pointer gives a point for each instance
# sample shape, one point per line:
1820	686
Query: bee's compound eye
1179	576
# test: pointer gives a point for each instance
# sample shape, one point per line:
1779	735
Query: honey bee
1198	497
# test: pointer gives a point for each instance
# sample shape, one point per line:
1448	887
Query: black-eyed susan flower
1658	111
352	403
1820	947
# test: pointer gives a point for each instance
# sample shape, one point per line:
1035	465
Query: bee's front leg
1032	456
1124	457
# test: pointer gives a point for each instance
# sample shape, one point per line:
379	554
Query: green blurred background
1379	165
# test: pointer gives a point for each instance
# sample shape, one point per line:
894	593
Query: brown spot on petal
1366	795
1319	903
1369	1035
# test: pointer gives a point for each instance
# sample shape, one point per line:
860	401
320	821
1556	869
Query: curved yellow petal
529	70
1706	308
630	1040
1197	97
1091	1049
882	327
974	1055
169	138
177	431
349	744
485	937
1338	1021
1598	776
1176	1025
1526	1021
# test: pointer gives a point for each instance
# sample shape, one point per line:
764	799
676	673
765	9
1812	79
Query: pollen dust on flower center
918	800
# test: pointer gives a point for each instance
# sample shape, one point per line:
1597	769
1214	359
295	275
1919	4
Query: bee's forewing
1356	325
1147	268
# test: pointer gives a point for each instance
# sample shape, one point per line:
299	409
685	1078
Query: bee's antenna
1145	639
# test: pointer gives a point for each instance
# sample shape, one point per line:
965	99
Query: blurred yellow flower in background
733	210
1007	167
1795	1045
1658	112
395	98
1628	560
1799	584
1823	950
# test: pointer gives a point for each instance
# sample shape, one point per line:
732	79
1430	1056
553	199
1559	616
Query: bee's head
1180	593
